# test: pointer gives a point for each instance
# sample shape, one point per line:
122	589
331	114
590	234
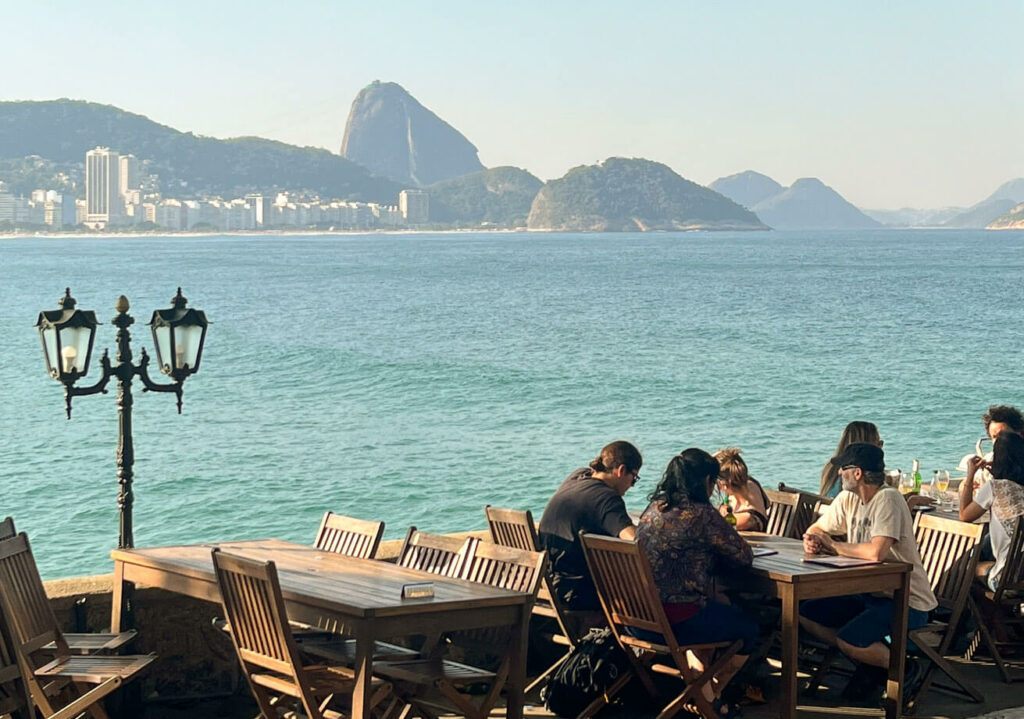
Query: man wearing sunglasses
877	524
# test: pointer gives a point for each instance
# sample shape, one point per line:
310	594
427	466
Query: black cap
860	454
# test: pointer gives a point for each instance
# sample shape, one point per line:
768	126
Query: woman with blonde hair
855	432
745	497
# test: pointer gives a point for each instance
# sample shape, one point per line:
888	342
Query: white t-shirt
886	515
1005	499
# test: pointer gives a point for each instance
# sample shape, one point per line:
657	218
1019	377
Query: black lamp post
67	335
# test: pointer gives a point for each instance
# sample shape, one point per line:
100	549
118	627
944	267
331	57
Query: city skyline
908	106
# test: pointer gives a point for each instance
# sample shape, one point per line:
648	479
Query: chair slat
349	536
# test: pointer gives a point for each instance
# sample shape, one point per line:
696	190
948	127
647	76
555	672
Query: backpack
594	665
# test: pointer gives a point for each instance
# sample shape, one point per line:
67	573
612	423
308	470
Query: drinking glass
942	482
907	483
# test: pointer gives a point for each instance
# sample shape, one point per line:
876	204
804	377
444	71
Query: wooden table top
788	565
355	587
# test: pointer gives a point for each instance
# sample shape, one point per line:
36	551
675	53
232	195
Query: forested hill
500	196
633	194
62	131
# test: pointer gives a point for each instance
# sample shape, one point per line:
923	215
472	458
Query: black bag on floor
594	665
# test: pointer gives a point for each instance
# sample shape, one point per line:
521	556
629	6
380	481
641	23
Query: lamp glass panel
74	348
162	340
187	345
49	336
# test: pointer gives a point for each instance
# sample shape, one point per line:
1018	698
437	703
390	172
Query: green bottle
730	518
917	476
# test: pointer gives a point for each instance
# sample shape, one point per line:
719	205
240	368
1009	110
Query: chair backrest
349	536
782	512
7	528
253	605
626	589
1011	581
512	528
14	694
520	570
435	553
31	617
949	553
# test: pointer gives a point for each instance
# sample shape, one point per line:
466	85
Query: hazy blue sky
893	104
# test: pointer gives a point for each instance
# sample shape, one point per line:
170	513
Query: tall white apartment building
127	175
415	206
104	205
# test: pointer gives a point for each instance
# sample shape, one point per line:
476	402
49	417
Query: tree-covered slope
62	131
633	194
500	196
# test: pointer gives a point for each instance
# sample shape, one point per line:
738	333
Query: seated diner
686	540
877	522
744	495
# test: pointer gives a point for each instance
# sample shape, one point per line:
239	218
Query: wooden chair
15	699
515	528
1003	604
432	683
783	513
435	553
629	598
7	528
254	607
52	672
349	536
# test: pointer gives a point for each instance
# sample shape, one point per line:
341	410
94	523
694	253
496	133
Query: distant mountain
62	131
747	188
912	217
500	196
633	194
810	204
998	203
1012	220
391	133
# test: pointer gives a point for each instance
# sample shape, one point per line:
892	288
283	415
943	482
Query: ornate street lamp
67	335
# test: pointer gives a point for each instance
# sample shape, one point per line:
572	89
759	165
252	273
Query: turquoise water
415	378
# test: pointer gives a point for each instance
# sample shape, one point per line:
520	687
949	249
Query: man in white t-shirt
877	524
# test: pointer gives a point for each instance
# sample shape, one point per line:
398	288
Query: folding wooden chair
349	536
254	607
949	552
435	553
15	699
432	683
625	586
52	672
515	528
1003	604
783	513
7	528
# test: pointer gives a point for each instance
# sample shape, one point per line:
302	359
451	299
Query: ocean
415	378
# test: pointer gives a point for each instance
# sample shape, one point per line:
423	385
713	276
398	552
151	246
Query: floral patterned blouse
686	545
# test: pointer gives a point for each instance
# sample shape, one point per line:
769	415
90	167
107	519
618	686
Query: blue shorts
861	619
716	622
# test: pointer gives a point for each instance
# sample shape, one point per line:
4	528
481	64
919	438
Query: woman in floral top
687	541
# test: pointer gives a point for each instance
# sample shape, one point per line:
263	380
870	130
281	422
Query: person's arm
832	521
876	550
973	504
727	544
628	533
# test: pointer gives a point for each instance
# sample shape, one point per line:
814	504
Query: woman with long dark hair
1003	495
686	539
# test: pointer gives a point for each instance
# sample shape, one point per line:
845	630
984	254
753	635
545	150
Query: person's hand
917	500
724	509
812	543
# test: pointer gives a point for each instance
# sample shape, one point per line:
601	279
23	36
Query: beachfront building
104	204
415	206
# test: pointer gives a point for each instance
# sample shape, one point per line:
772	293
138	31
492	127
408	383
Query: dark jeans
716	622
861	619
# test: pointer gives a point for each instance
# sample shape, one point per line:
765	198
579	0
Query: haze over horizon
906	106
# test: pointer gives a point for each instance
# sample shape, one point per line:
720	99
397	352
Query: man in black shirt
590	499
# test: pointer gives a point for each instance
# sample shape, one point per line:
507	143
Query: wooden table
359	597
787	576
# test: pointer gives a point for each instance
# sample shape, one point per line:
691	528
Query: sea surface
415	378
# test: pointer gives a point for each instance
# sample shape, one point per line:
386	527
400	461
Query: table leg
790	643
121	615
894	685
363	667
516	681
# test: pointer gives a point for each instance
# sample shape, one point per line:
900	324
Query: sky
909	104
